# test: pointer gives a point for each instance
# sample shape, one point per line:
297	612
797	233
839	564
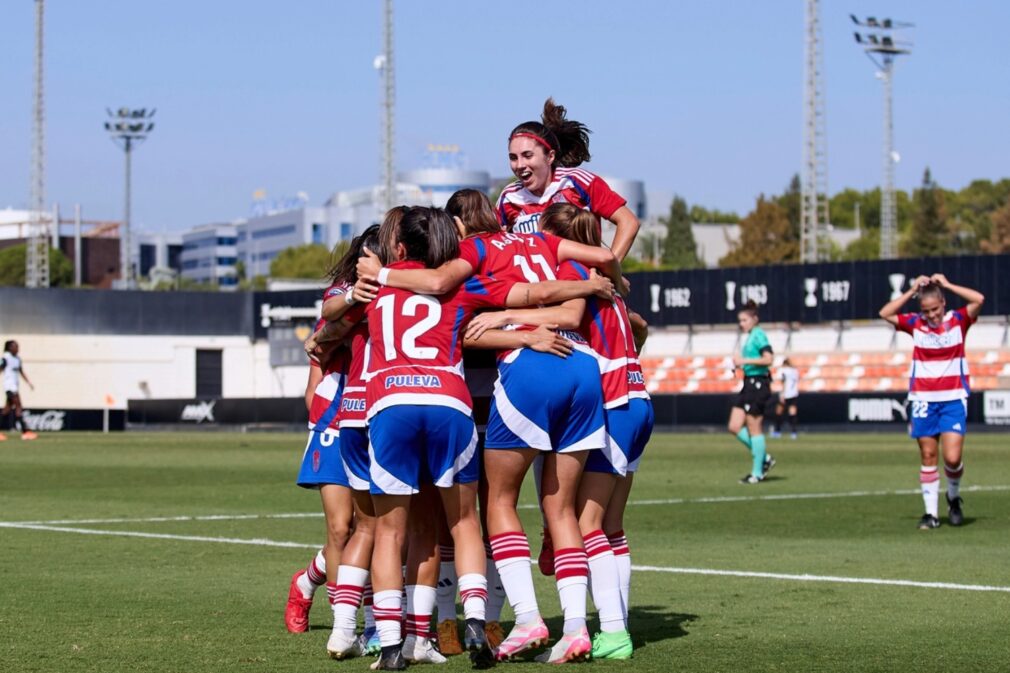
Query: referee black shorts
755	395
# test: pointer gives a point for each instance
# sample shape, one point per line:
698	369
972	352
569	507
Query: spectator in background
786	402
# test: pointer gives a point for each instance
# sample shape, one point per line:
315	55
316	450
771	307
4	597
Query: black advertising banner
808	293
48	419
211	412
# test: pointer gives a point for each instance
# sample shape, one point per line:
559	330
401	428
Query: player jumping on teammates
746	420
938	385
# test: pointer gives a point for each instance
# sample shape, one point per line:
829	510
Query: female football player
746	419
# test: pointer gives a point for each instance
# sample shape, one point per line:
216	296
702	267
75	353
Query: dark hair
575	224
751	308
474	209
8	344
787	363
388	231
345	270
931	289
568	138
429	236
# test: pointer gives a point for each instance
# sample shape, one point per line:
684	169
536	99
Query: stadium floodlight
882	49
127	134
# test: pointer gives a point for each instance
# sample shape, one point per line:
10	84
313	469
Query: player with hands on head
938	387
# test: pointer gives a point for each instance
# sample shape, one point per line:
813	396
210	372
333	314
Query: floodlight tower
881	48
814	191
128	128
385	65
37	253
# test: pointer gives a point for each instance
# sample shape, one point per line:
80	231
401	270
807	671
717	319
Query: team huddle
457	348
402	354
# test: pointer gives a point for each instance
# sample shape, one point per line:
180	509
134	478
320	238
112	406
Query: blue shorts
321	463
628	430
548	403
929	419
354	452
414	444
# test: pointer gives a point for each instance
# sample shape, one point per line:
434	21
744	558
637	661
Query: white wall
73	371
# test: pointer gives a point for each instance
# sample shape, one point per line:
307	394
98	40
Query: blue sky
703	98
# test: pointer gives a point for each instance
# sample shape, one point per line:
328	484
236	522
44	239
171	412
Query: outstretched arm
974	298
592	255
542	339
627	229
25	377
424	281
564	316
554	291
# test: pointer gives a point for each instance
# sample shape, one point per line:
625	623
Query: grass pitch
134	594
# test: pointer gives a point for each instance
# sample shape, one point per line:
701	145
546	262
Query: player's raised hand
365	290
368	265
482	322
545	340
604	286
921	281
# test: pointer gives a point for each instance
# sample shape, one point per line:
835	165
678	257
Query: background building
209	255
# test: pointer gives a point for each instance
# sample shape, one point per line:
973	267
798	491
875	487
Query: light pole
128	128
881	48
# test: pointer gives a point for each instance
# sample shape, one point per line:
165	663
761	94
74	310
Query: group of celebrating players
442	323
394	448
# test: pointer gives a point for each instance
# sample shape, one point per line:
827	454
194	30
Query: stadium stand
862	358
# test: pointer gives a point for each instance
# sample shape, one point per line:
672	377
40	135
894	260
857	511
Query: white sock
313	577
953	473
349	590
571	569
388	620
473	592
495	590
604	582
420	606
446	589
622	557
929	479
512	558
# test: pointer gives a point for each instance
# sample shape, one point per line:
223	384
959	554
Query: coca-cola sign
49	420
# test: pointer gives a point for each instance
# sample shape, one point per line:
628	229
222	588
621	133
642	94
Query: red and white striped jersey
416	343
326	398
939	369
605	325
520	258
353	405
519	209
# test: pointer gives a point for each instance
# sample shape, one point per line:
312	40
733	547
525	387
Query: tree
702	215
999	234
679	249
12	267
764	238
303	261
928	235
792	202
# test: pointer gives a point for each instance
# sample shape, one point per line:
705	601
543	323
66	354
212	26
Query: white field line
633	503
262	542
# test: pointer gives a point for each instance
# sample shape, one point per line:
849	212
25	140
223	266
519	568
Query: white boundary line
262	542
633	503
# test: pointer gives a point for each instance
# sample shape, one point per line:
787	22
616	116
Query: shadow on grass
648	624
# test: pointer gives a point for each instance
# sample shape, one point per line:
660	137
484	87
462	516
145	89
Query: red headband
540	140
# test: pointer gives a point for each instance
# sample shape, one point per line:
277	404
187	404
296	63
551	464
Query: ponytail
568	138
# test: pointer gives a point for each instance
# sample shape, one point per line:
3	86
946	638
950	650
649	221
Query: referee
746	419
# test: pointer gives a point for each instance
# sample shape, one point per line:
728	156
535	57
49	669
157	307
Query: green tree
12	267
928	234
702	215
999	232
303	261
764	238
679	248
791	202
